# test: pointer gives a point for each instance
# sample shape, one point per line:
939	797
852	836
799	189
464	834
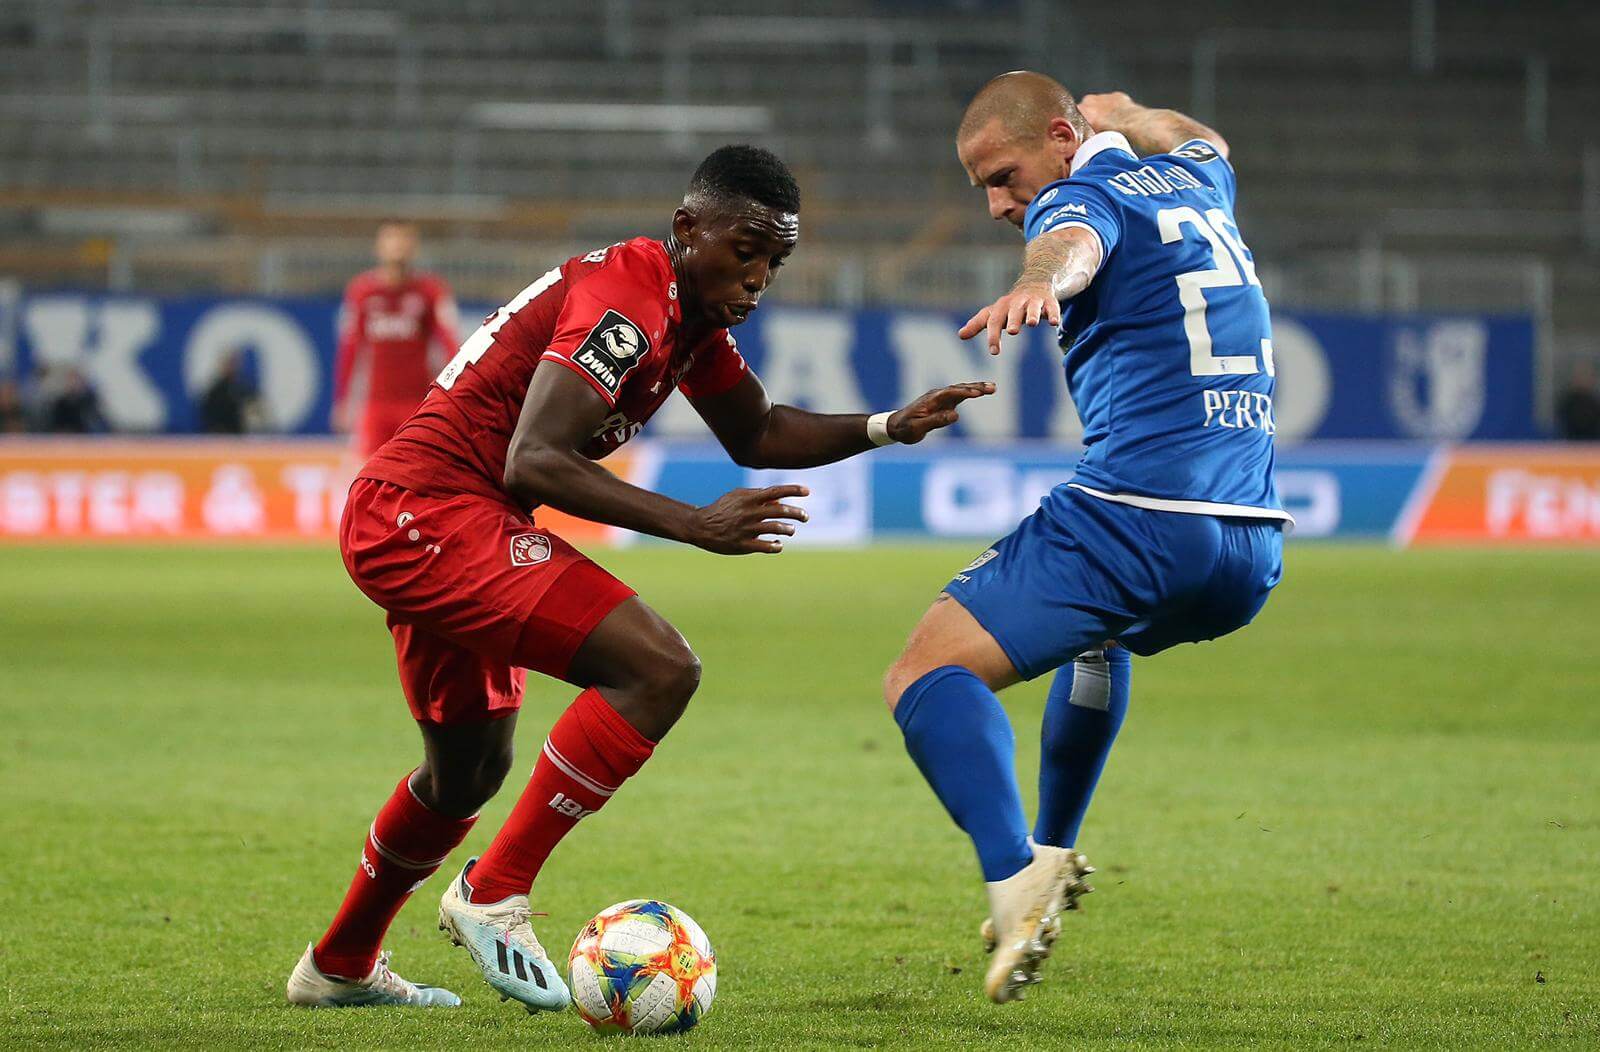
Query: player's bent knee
491	772
464	766
642	666
677	676
948	635
663	677
636	652
898	677
663	667
463	791
466	791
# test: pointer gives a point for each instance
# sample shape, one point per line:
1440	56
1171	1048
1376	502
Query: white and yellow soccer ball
642	967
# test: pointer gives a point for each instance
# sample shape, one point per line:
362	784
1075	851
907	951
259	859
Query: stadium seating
1386	167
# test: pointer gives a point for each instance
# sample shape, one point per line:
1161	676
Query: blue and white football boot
502	944
310	987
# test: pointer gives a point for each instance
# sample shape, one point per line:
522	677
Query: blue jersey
1169	349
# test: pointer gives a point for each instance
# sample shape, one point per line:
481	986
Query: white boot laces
517	926
512	917
385	980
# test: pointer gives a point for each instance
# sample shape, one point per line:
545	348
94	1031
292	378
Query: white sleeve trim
1098	240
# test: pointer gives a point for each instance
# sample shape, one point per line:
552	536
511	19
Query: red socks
591	751
405	846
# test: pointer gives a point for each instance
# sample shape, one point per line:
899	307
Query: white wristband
878	429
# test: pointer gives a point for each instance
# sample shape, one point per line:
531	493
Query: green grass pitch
1371	819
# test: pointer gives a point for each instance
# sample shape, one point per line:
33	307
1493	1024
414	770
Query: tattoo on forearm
1159	131
1065	264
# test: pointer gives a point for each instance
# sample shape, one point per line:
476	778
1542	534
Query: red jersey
612	316
392	326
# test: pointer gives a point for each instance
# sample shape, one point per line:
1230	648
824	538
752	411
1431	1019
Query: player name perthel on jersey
1239	410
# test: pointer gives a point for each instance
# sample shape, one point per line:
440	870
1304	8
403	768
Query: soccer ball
642	967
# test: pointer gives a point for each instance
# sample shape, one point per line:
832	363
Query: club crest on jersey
530	549
1199	152
612	350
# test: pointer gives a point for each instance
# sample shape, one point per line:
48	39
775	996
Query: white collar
1106	140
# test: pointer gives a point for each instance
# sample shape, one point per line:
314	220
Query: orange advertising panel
187	490
1507	494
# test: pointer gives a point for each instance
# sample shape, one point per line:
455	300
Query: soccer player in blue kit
1170	529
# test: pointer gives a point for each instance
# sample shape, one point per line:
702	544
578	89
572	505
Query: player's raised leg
941	691
1087	703
639	674
429	813
1035	600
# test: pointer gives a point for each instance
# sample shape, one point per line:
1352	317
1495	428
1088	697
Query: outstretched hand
1023	305
933	410
738	522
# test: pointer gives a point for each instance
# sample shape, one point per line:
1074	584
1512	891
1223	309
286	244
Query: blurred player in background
1170	530
438	531
392	327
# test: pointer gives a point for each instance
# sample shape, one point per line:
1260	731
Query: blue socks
961	740
1088	701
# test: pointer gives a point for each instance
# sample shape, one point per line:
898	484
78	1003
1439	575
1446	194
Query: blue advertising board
1352	490
1410	378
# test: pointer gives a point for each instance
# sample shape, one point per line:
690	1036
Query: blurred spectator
230	405
1578	408
36	398
13	418
73	408
394	318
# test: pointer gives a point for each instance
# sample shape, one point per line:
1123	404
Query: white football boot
502	944
310	987
1071	892
1024	909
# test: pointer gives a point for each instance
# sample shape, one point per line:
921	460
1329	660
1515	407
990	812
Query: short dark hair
745	172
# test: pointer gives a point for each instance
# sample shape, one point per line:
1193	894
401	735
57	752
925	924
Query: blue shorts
1082	570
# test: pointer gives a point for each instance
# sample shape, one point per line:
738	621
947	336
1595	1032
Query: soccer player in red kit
392	318
439	531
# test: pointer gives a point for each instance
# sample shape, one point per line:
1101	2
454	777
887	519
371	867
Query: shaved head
1024	103
1019	134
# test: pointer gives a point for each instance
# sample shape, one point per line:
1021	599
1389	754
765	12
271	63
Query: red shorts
475	593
